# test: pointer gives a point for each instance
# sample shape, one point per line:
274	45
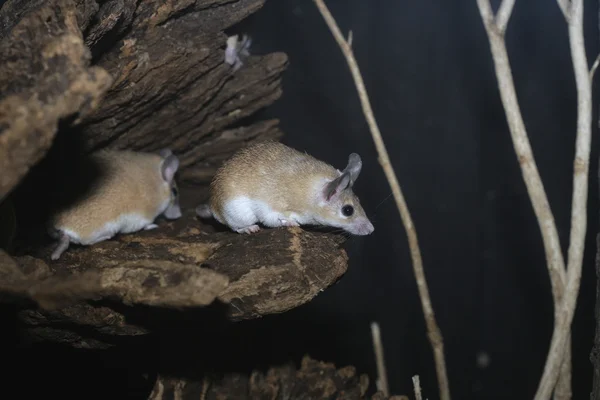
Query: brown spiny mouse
274	185
132	190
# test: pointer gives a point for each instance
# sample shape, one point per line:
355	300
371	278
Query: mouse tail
204	211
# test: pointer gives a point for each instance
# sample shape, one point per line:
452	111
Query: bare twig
533	181
565	8
562	325
382	382
435	337
594	68
417	387
565	297
531	176
503	15
563	391
205	387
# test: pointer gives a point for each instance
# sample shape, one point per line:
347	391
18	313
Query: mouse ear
336	186
164	153
353	168
169	167
346	179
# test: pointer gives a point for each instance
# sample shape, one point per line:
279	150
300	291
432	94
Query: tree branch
417	387
565	8
504	13
562	325
594	68
559	354
531	176
563	391
382	382
435	337
554	258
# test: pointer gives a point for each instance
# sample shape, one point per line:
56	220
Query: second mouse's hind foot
249	229
63	244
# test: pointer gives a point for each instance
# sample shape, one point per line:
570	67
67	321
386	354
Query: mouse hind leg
239	215
62	245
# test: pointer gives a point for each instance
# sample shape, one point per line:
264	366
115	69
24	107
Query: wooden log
172	87
45	77
130	74
141	75
314	379
180	265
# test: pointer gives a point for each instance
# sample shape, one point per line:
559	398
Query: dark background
429	73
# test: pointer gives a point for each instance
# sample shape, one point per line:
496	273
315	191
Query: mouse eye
174	191
347	210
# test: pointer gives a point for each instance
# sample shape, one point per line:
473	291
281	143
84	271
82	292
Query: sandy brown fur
273	172
129	180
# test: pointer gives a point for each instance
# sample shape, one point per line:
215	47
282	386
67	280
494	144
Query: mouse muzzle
173	211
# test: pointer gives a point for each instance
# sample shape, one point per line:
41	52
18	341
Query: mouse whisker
384	200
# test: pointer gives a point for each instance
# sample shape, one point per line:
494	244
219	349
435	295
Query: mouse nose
365	228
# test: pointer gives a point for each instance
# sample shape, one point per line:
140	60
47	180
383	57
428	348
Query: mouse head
343	208
168	168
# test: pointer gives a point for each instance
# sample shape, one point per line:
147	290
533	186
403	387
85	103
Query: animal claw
249	229
288	222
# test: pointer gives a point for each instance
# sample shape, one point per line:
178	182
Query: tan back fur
273	172
131	182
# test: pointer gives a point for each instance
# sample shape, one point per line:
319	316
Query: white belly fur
124	224
243	211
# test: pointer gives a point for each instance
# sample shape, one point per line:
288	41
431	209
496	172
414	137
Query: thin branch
565	8
382	382
531	176
554	258
503	15
563	391
562	325
417	387
594	68
487	15
435	337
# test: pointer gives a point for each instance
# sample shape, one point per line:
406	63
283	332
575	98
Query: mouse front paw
288	222
249	229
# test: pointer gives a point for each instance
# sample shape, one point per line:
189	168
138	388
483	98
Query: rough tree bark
157	66
314	380
45	75
93	292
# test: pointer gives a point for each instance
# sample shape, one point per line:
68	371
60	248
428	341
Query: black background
429	74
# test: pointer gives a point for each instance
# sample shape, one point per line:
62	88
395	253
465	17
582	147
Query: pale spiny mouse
132	190
274	185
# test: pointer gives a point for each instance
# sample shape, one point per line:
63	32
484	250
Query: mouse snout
173	211
363	227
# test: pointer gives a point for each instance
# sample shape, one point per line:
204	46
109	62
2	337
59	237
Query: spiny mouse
132	190
275	185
